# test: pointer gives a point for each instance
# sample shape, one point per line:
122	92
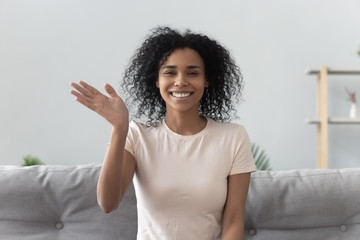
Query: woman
191	169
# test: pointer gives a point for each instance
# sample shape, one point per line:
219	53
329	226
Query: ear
206	83
157	83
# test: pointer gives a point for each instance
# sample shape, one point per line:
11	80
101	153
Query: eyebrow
174	67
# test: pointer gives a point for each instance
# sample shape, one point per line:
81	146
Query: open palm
112	108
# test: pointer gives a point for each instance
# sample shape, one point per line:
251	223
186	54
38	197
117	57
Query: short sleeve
130	139
243	161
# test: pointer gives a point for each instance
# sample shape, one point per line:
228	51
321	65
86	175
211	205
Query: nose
181	81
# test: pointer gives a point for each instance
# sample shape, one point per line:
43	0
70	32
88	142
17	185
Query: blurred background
46	44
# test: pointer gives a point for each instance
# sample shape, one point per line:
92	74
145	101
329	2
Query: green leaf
29	161
262	161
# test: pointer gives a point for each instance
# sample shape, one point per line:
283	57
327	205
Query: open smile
181	94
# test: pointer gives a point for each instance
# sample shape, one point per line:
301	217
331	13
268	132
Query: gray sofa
59	203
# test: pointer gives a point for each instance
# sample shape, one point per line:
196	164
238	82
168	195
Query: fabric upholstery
304	204
59	203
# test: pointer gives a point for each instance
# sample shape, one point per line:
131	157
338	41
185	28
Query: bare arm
116	173
119	165
233	220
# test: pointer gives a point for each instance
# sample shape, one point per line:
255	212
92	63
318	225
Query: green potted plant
29	161
262	161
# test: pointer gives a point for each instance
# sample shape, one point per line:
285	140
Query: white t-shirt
181	181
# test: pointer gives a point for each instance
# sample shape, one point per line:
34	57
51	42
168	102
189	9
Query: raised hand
112	108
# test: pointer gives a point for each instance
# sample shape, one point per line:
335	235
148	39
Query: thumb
110	90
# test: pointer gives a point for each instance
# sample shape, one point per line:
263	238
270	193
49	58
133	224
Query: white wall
46	44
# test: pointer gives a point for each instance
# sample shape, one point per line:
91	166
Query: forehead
184	57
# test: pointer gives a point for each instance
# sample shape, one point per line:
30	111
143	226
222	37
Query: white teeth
180	95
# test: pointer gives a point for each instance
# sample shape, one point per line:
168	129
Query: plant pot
353	111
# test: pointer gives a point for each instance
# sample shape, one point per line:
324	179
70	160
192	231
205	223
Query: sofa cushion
59	202
304	204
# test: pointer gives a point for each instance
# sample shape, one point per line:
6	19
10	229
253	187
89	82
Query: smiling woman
222	75
190	170
182	81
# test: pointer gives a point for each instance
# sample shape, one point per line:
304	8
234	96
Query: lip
180	91
173	93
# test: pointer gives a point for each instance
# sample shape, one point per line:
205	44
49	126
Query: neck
185	124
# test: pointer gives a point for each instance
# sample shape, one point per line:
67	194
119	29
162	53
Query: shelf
334	120
322	121
334	70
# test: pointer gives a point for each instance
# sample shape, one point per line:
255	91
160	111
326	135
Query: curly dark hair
223	75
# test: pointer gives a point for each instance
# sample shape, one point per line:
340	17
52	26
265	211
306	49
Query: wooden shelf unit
322	120
334	120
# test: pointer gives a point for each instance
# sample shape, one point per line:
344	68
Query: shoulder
139	128
227	128
138	124
135	125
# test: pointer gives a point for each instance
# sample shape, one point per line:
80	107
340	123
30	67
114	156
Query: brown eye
169	73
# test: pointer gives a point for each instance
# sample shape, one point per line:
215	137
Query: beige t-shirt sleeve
130	140
243	159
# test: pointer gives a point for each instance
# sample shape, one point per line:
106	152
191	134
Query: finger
75	93
110	90
89	88
79	95
85	101
82	90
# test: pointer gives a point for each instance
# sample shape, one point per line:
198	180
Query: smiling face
182	81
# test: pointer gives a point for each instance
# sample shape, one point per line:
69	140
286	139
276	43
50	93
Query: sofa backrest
304	204
59	203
